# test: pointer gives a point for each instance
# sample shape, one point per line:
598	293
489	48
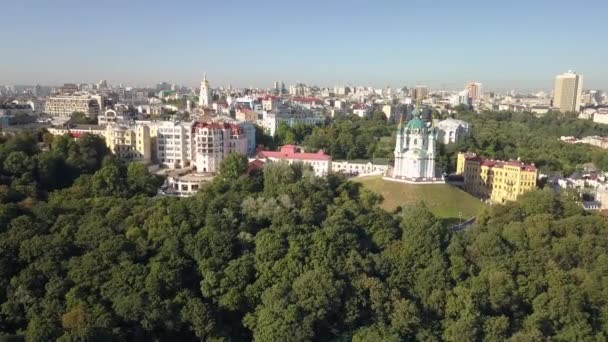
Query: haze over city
443	44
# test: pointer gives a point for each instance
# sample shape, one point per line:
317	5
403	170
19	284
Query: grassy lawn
445	201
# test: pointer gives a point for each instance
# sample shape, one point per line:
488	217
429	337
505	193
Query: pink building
320	162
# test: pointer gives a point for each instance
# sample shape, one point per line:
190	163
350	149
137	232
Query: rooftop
499	163
291	152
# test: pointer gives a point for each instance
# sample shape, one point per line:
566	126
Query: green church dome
415	123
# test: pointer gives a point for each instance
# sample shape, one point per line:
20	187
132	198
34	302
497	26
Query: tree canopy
279	255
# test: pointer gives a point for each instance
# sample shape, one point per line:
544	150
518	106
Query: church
415	152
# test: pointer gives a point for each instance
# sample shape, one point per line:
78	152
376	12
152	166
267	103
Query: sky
505	45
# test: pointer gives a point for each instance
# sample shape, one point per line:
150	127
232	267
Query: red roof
307	100
290	152
499	163
270	97
255	165
215	125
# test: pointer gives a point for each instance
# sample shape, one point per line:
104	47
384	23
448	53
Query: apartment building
214	141
174	144
131	143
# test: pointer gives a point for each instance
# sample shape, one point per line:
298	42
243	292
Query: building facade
65	106
475	90
568	92
320	162
131	143
451	130
359	167
415	150
215	141
495	180
204	99
174	144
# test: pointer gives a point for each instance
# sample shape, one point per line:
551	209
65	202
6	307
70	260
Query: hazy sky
502	43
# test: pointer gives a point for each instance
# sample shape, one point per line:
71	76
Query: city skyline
436	43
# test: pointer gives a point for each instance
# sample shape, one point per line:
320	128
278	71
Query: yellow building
496	180
130	143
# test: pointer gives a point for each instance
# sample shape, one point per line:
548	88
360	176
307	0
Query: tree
82	118
18	163
234	165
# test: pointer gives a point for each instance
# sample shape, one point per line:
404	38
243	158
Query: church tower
415	150
204	99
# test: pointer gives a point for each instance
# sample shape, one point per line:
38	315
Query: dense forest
278	255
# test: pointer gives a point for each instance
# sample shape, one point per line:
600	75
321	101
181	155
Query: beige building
66	105
131	143
474	89
568	92
419	93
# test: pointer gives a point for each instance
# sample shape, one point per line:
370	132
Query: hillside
445	201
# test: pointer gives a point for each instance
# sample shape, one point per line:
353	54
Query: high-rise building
475	92
568	92
204	99
419	93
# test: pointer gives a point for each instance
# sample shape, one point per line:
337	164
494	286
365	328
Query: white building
204	99
359	167
214	141
120	114
320	162
415	151
184	185
174	147
271	119
601	116
451	130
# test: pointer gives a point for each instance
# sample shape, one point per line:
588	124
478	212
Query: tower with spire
204	99
415	150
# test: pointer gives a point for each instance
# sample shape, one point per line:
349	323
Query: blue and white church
415	152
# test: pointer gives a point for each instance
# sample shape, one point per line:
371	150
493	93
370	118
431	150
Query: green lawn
445	201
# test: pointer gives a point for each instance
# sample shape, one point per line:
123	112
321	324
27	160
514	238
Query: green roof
415	123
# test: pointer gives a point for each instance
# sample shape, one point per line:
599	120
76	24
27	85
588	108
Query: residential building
419	93
320	162
214	141
244	114
174	148
474	90
451	130
65	105
271	119
568	92
495	180
131	143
